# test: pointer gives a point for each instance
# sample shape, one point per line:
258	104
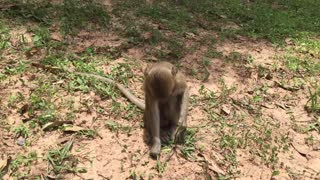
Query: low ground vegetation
252	66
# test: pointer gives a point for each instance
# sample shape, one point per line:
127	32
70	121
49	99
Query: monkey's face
160	80
160	88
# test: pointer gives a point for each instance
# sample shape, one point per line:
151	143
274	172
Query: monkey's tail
138	102
130	96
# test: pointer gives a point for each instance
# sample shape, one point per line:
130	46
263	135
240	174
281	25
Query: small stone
226	110
21	141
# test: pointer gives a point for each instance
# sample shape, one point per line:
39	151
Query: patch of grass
269	144
309	140
176	19
38	11
14	99
303	65
135	175
259	94
72	15
308	45
313	103
314	126
4	36
116	127
235	133
161	167
16	68
88	133
41	107
79	14
203	72
61	161
56	60
22	131
121	73
274	20
23	161
46	117
188	146
155	36
212	53
39	103
238	58
41	37
2	77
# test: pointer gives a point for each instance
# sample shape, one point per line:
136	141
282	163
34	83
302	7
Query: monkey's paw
155	150
166	137
180	135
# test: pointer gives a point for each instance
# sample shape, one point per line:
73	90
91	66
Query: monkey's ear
174	71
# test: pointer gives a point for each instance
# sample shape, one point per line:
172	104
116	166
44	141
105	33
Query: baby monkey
166	104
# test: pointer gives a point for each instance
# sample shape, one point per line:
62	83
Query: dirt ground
238	138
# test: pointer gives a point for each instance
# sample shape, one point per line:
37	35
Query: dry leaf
68	128
56	36
54	124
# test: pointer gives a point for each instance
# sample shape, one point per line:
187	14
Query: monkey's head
160	80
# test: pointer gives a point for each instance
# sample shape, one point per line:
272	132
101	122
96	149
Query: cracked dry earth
117	154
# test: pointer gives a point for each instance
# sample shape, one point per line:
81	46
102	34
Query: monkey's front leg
180	132
154	120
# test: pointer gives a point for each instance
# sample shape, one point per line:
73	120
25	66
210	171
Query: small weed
39	103
315	126
307	66
14	99
225	91
161	167
238	58
176	48
4	37
134	175
131	111
41	37
22	131
22	160
121	73
56	60
189	145
313	103
61	160
17	68
308	46
275	173
229	142
293	63
46	117
2	77
309	140
156	37
88	133
133	33
115	127
212	53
